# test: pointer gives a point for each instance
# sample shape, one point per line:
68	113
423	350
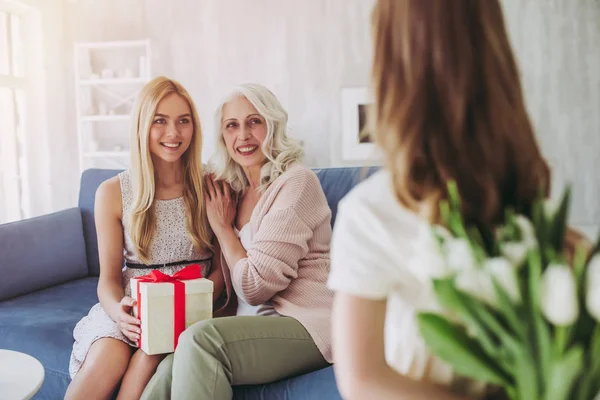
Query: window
15	89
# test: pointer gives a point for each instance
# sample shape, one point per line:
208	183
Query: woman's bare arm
358	351
107	215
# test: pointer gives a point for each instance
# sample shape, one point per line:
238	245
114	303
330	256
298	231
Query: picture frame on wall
357	144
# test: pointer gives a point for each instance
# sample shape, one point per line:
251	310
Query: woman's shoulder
376	189
373	237
297	173
374	199
110	187
295	182
299	189
109	195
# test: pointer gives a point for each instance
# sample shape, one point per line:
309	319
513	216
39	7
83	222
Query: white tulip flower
430	266
505	275
527	230
443	232
592	296
516	251
428	259
478	283
551	207
559	295
460	255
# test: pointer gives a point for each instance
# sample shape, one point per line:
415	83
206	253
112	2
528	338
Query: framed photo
357	144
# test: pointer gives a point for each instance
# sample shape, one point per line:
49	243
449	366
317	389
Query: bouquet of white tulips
516	311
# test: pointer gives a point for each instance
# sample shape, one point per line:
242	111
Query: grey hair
280	150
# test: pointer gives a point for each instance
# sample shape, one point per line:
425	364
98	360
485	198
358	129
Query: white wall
306	51
557	43
80	21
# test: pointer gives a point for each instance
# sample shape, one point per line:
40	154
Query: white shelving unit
108	76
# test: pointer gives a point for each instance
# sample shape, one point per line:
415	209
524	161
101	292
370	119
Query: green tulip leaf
596	248
542	340
525	374
558	225
452	345
445	212
509	310
579	266
590	381
563	373
540	224
456	302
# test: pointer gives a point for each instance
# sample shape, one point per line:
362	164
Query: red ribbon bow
193	271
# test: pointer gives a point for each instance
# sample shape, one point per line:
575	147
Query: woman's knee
159	386
204	334
149	360
166	365
163	370
108	357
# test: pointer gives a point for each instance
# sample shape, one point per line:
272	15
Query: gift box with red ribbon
167	305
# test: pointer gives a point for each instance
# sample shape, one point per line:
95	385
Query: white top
245	235
373	241
21	375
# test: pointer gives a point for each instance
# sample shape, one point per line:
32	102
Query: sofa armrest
41	252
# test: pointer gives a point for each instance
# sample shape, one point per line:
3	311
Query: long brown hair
449	106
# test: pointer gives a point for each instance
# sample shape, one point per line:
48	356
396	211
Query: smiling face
172	129
244	131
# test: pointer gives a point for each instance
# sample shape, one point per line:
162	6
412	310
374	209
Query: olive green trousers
214	355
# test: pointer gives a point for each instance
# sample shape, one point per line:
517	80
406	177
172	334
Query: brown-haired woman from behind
448	106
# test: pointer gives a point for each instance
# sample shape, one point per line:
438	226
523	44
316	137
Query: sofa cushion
90	180
40	252
315	385
41	324
337	182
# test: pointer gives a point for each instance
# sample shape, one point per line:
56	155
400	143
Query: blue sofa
49	272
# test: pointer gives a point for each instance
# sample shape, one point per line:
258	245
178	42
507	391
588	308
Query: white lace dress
171	243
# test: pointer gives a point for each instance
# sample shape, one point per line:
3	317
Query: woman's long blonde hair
142	221
449	106
280	150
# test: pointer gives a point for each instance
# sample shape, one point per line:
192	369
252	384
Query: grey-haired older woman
272	221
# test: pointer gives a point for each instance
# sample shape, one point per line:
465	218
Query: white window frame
34	179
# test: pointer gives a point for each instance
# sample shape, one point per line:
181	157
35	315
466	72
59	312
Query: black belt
159	266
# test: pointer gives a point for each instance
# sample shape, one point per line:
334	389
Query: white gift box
157	312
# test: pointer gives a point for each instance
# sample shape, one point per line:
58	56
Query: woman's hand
129	325
220	206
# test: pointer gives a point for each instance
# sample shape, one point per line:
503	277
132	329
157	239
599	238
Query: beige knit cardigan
288	262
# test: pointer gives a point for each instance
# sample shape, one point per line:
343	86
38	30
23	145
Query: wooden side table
20	375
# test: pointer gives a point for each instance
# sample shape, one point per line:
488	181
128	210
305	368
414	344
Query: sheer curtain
14	191
23	139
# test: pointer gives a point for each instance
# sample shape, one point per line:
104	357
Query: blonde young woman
448	106
151	216
275	241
